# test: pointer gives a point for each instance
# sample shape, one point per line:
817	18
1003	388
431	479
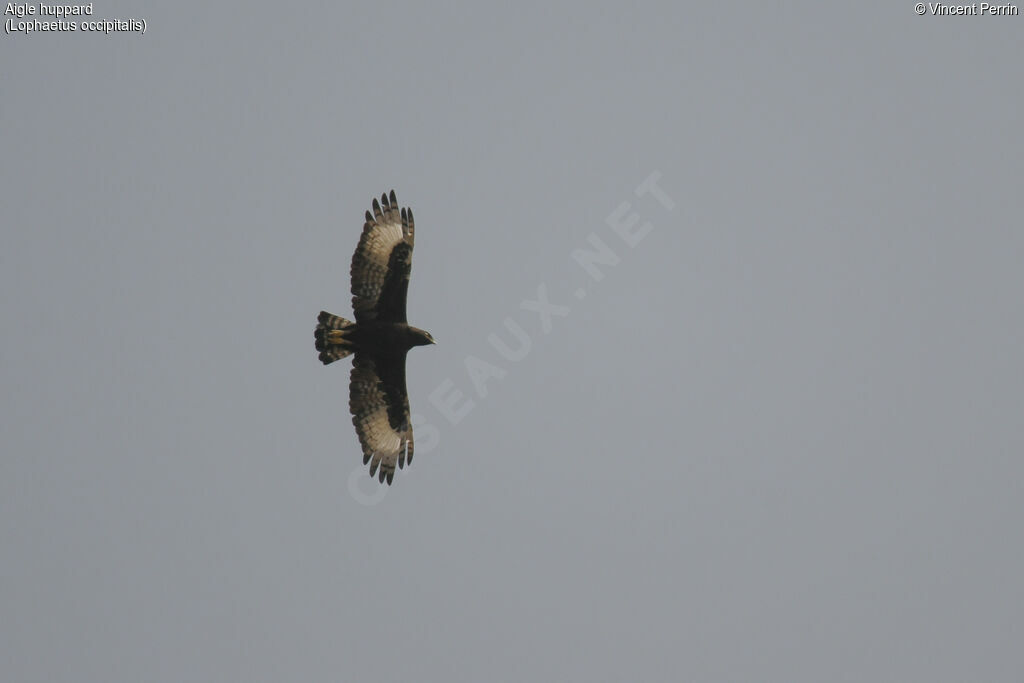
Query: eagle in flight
379	338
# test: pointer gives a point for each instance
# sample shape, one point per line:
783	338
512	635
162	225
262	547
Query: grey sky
780	440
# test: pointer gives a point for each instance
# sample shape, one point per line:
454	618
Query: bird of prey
380	337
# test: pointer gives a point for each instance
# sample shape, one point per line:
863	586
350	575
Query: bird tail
332	340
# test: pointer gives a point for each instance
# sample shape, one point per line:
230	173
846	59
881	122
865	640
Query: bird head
421	337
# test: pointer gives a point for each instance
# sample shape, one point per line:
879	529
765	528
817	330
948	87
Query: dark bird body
380	337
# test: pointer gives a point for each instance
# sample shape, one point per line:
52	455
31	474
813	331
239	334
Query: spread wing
382	262
380	412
